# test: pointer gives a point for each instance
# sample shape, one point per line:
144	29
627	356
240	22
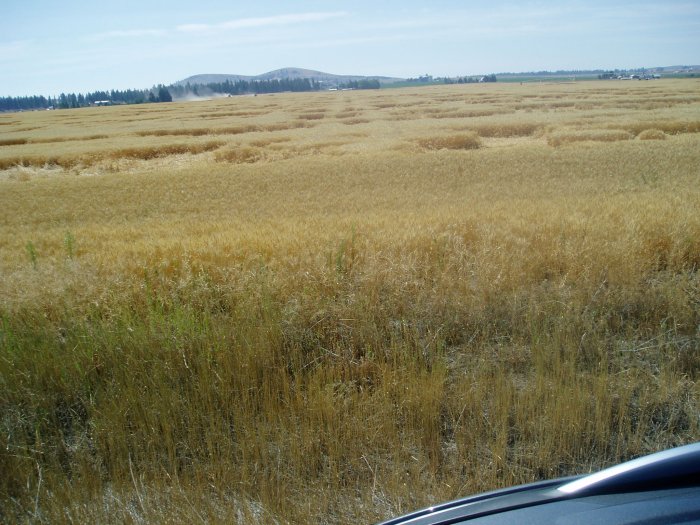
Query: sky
49	47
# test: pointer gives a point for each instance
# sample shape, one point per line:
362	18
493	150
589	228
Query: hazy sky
49	47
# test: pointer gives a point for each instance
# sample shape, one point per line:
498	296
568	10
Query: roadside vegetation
338	307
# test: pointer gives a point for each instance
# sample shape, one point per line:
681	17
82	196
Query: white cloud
127	33
350	41
193	28
246	23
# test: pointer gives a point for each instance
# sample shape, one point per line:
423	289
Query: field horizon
337	307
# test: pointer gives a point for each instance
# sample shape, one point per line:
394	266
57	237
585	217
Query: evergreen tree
164	95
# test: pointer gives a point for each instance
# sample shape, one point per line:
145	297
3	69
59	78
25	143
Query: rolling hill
284	73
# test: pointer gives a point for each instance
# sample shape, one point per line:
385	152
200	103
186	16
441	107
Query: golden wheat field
336	307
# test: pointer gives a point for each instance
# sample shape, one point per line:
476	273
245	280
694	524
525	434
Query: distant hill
665	70
327	79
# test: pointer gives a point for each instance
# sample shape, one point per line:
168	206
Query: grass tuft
13	142
462	141
152	152
652	134
507	129
562	138
239	154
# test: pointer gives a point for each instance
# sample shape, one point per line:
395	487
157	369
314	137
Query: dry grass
352	327
595	135
461	141
13	142
239	154
50	140
652	134
355	121
671	127
87	159
507	129
232	130
312	116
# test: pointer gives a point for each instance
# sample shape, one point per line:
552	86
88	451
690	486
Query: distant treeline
71	100
158	93
244	87
470	80
163	93
26	103
430	80
361	84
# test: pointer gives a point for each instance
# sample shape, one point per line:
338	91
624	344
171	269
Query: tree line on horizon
159	93
244	87
365	83
163	93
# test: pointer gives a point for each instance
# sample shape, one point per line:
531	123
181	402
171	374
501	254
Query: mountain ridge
331	80
283	74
